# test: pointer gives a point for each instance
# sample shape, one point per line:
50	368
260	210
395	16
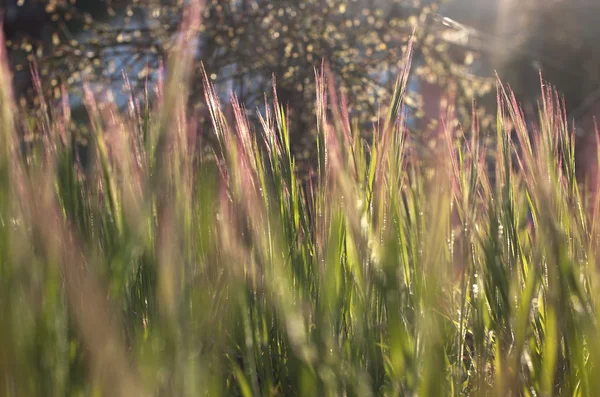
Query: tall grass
160	270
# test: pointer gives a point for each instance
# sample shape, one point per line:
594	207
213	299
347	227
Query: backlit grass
159	270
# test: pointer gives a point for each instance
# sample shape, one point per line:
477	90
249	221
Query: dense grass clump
157	270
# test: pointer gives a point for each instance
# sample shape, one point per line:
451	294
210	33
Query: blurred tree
244	43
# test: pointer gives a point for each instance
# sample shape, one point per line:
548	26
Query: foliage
162	271
245	43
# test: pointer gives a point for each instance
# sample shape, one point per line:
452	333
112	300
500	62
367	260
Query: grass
159	270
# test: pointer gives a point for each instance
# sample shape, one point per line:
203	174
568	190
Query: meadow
162	270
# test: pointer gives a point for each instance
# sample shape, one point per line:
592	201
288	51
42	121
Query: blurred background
459	46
